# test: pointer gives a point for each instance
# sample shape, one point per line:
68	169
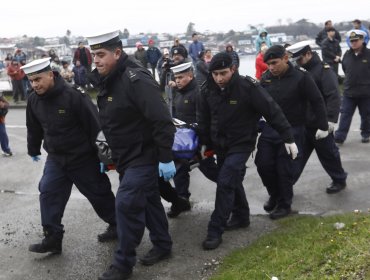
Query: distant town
242	41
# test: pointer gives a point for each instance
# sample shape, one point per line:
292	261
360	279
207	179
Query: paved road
84	258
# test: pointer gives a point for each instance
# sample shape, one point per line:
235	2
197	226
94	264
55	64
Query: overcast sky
47	18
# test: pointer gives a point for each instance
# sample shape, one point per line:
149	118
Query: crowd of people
293	106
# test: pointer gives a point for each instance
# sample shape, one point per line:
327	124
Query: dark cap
179	50
273	52
220	61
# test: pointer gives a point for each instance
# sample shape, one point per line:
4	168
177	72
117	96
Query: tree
190	29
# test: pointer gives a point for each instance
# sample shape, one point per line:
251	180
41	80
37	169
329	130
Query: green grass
305	247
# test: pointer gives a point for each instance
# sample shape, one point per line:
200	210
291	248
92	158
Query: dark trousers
18	90
4	140
138	205
276	168
55	189
230	194
348	108
327	152
182	178
153	66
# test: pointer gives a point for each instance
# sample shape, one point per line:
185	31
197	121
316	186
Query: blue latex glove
167	170
35	158
102	168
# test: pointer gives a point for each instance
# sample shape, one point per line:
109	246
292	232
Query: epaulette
251	80
325	65
79	89
132	74
301	69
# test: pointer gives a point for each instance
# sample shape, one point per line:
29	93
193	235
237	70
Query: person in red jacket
84	56
261	66
16	75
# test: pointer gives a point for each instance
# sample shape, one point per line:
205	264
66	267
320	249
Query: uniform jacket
66	120
201	69
227	119
323	34
134	117
292	91
184	102
327	82
357	73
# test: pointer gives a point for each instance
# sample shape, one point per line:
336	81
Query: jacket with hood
261	39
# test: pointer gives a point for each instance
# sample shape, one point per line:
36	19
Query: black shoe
211	243
338	141
335	187
270	204
365	140
109	234
154	256
233	224
280	212
181	205
49	244
113	273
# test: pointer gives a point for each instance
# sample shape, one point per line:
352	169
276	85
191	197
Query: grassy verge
306	247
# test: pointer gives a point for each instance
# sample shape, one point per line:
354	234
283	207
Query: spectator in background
140	54
177	43
323	34
357	24
331	50
25	81
263	36
16	76
195	48
261	66
84	56
55	64
80	73
165	57
4	140
234	56
208	56
66	73
201	69
8	59
153	54
52	54
19	55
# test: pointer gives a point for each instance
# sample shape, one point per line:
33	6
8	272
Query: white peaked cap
183	67
37	66
103	40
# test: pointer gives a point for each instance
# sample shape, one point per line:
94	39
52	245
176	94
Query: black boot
235	223
181	205
211	243
50	244
109	234
154	256
336	187
113	273
270	204
280	212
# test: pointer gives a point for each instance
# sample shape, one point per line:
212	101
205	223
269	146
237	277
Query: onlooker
263	36
355	64
140	54
331	50
66	73
84	56
357	24
153	55
234	56
208	56
261	66
25	81
201	69
55	64
4	140
165	57
19	55
195	48
16	75
52	54
79	72
324	33
8	59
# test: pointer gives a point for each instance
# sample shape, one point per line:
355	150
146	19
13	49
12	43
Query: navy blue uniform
356	93
291	92
326	150
227	121
67	121
140	133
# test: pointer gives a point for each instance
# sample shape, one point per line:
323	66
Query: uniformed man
292	89
228	111
140	133
356	67
326	150
68	123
